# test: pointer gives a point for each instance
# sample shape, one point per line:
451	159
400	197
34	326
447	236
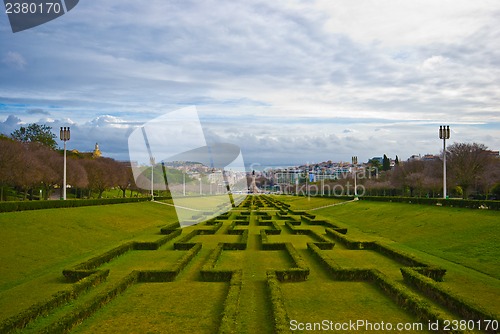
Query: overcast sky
288	81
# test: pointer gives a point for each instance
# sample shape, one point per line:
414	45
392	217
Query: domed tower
97	152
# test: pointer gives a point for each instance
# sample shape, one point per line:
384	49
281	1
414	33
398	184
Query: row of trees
471	171
31	168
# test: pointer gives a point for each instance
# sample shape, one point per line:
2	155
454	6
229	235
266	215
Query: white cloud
433	63
14	60
282	73
400	23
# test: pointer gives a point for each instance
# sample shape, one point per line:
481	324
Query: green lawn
161	308
40	244
37	245
465	236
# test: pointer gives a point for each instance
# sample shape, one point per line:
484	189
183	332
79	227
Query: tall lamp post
355	163
444	133
64	134
152	161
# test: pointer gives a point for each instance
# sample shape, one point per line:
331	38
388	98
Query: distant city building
429	157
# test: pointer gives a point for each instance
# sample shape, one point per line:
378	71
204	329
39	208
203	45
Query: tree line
472	171
30	165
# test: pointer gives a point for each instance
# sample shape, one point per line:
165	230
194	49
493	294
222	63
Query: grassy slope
85	232
463	241
465	236
37	245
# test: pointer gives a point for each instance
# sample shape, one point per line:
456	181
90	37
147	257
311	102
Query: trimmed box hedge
459	203
88	267
84	311
169	275
53	204
170	228
266	245
406	259
436	292
208	271
232	305
299	272
240	245
21	320
280	315
399	293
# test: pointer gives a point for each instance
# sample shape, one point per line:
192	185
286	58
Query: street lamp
152	161
184	183
355	163
64	134
444	133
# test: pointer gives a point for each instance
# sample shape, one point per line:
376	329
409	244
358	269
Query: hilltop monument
97	152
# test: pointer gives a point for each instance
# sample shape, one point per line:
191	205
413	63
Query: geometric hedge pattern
258	268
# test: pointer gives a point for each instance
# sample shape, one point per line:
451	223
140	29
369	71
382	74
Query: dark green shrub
444	297
232	305
60	298
280	315
38	205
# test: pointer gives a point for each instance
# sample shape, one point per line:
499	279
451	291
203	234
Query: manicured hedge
21	320
266	245
302	213
338	273
324	223
446	298
170	228
275	228
241	222
38	205
348	243
425	268
299	272
84	311
280	315
169	275
399	293
208	271
79	314
231	229
406	299
240	245
185	243
224	216
154	245
265	223
459	203
232	305
88	267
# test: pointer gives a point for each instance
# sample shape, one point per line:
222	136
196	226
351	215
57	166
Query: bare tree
409	175
10	159
99	174
124	176
467	164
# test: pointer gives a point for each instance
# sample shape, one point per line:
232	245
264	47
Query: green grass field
37	245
